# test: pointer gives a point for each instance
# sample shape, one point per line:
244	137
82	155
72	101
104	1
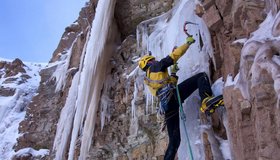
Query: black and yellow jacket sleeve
179	52
157	74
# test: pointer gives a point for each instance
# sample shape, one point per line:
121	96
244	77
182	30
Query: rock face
42	132
39	126
78	29
253	103
130	13
121	137
10	69
7	72
253	123
232	20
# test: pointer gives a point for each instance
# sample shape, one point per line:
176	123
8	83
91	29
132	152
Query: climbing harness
165	94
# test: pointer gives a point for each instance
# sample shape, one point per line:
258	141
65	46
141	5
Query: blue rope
183	117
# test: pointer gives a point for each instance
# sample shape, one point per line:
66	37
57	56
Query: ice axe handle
186	31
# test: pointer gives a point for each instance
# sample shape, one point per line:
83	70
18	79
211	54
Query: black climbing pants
199	81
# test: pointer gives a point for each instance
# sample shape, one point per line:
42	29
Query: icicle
92	80
133	107
134	119
226	150
60	73
106	102
65	124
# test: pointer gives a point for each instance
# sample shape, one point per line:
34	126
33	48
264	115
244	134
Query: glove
174	69
190	40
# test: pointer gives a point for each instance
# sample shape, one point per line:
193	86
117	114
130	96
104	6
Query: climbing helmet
144	61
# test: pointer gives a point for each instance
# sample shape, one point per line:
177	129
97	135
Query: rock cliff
252	103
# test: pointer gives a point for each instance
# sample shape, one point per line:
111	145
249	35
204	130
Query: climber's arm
173	57
179	52
176	54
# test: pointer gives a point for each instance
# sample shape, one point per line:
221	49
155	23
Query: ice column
78	116
65	123
92	78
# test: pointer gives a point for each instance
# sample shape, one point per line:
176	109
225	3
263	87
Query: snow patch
30	151
12	108
230	81
5	59
241	41
264	32
258	54
225	148
218	87
276	59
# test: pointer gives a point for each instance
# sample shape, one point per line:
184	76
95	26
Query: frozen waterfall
79	113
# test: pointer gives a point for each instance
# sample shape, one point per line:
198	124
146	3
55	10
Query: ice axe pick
185	27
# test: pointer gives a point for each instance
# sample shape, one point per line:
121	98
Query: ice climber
163	85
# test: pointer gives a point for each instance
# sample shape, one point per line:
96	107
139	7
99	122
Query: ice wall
159	35
78	116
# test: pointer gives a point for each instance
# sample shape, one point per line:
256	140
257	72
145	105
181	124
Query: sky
31	29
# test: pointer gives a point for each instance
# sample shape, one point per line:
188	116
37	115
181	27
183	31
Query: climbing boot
209	104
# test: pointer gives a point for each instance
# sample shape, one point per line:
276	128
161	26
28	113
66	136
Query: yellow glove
174	68
190	40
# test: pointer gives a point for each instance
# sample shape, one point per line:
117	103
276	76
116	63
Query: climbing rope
183	117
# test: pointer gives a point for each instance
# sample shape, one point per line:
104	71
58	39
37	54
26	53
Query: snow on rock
21	81
225	148
242	41
62	69
230	80
30	152
253	100
218	86
261	53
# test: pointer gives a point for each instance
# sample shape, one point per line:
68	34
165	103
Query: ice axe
186	31
185	27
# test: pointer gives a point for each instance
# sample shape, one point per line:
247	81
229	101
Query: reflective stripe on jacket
157	74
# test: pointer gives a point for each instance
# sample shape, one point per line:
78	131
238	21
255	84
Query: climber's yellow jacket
157	74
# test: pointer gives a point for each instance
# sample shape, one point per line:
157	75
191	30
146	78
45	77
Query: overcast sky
31	29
